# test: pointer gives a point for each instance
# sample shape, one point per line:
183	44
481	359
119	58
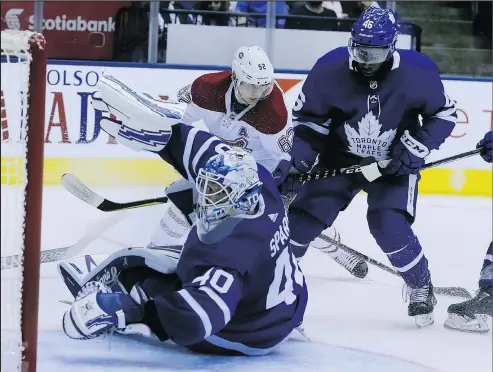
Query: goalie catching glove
97	311
135	119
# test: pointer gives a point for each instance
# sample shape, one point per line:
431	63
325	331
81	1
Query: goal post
22	124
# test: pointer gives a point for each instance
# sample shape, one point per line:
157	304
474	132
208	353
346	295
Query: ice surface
355	325
57	353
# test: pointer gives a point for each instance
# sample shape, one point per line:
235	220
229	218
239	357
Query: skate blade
459	323
136	329
424	320
302	332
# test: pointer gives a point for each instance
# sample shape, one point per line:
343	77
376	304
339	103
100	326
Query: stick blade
75	186
452	291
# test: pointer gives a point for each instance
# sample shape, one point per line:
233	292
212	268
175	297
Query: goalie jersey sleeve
189	149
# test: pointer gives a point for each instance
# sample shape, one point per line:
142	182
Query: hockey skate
472	315
422	301
355	265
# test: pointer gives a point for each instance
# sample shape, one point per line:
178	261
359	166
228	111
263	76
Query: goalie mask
228	186
252	75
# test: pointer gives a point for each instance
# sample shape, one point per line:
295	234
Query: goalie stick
449	291
56	254
372	171
77	188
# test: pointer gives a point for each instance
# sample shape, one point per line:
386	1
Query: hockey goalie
236	288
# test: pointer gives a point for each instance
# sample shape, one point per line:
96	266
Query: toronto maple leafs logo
367	140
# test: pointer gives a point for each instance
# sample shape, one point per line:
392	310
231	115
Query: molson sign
75	142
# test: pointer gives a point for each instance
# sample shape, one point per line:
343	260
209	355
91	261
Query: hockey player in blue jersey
236	288
360	104
471	315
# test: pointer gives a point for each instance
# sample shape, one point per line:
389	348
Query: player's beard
369	69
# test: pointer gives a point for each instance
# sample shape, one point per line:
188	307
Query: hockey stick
449	291
372	171
76	187
84	193
56	254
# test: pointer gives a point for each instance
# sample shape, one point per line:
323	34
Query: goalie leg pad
176	223
181	194
173	229
139	122
108	271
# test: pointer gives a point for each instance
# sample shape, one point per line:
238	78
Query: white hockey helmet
228	186
253	75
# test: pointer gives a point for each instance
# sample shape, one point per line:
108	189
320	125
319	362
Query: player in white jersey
245	108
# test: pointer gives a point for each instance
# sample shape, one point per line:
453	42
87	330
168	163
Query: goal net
23	74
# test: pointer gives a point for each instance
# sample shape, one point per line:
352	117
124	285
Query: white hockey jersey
264	129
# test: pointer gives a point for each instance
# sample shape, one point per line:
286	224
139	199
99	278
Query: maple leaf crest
368	136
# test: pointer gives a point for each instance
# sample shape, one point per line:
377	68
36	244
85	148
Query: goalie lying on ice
236	288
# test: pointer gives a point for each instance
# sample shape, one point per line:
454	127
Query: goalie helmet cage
28	48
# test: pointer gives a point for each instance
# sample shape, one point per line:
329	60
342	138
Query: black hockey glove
485	145
408	157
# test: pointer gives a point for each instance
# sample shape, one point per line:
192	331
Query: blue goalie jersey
243	292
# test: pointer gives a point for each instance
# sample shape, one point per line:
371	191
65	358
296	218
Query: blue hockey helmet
373	38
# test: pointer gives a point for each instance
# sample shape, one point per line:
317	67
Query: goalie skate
471	315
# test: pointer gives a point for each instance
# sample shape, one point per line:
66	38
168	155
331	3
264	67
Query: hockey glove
303	160
485	146
303	156
135	119
408	156
97	311
290	187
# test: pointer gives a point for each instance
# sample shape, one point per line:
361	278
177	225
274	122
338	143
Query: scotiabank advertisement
74	142
79	29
